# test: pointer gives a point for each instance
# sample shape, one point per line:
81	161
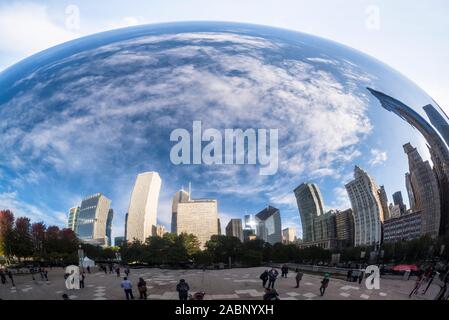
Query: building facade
142	211
289	235
180	196
345	227
310	206
160	230
92	219
366	207
404	227
425	190
109	227
269	227
384	202
73	218
197	217
399	201
234	229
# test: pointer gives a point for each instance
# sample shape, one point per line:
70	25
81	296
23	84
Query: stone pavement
218	285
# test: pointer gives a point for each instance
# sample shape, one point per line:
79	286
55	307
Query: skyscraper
425	190
310	205
289	235
366	207
269	225
109	227
411	196
399	201
180	196
345	227
197	217
92	219
160	230
73	217
384	202
234	229
438	149
142	211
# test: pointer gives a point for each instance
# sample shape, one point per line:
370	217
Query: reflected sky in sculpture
87	116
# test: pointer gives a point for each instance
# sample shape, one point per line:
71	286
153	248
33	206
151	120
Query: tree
223	247
6	234
22	246
38	231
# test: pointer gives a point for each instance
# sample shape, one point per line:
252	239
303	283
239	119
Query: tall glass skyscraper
73	217
269	225
367	208
142	211
109	227
310	205
92	219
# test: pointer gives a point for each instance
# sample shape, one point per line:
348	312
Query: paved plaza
218	284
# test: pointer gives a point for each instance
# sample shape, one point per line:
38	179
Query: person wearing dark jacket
264	278
298	277
183	289
270	294
272	276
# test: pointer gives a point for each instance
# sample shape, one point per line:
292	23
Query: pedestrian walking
46	274
183	289
11	277
142	287
264	278
128	288
361	276
111	269
127	271
117	271
298	277
41	272
88	269
272	276
324	283
284	271
82	276
3	277
418	283
270	294
32	273
349	275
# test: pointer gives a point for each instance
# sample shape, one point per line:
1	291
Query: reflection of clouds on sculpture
107	113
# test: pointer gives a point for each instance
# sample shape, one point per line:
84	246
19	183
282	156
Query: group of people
270	276
7	273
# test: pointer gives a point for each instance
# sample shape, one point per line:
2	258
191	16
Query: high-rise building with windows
439	121
289	235
198	217
345	227
425	190
160	230
92	219
142	211
109	227
384	202
366	208
399	201
73	217
234	229
310	205
269	227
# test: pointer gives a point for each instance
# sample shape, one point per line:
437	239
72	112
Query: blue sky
417	50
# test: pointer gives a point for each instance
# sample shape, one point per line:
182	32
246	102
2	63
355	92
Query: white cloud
377	157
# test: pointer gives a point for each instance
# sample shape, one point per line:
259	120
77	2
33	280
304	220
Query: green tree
22	246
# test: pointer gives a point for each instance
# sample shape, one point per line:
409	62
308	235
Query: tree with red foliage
6	234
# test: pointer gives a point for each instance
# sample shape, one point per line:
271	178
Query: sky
384	29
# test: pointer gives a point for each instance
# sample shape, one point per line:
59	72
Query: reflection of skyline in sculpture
438	121
310	205
437	148
269	226
367	209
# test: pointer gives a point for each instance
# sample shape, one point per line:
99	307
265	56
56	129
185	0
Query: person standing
32	273
349	275
264	278
117	270
10	276
142	287
324	283
272	276
128	288
88	269
82	276
284	271
127	271
183	289
46	274
298	277
2	277
110	268
361	276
